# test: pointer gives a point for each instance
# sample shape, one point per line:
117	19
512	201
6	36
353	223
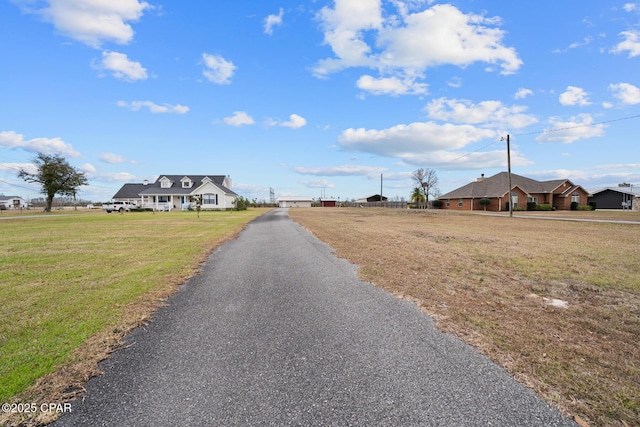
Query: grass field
493	281
72	285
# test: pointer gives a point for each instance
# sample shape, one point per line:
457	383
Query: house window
165	183
209	199
186	184
459	203
163	199
575	198
533	200
448	202
514	199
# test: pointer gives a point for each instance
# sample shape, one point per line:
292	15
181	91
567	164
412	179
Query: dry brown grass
489	280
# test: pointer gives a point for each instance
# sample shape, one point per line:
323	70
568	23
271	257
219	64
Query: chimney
481	178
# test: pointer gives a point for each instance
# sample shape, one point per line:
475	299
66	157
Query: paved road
277	331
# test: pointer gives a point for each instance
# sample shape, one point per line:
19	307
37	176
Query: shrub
574	206
437	204
593	205
543	207
241	204
485	202
532	206
584	208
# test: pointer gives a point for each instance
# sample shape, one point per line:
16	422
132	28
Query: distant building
372	199
624	196
328	203
12	202
295	202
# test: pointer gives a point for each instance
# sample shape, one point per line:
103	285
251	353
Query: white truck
119	206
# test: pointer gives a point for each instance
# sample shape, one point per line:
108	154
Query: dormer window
186	182
165	183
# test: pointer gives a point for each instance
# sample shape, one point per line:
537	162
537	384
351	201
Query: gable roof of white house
4	198
174	185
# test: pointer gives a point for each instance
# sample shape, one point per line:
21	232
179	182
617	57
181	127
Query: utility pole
509	173
380	190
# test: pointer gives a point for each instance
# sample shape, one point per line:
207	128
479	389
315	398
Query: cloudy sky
320	97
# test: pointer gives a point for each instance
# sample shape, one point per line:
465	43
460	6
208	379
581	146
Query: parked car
119	206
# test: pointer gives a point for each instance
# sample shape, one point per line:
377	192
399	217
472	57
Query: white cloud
584	42
153	107
90	21
576	128
416	143
630	7
317	183
487	113
523	93
218	70
574	96
11	139
631	43
345	170
121	66
239	118
401	47
88	168
625	92
112	158
391	86
295	122
272	21
455	82
343	30
114	177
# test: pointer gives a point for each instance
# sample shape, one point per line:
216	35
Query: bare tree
427	180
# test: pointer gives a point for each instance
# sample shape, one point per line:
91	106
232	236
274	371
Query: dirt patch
554	302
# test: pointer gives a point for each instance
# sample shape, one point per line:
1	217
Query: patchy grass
491	281
72	286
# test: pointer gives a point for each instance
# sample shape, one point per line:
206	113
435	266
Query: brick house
558	193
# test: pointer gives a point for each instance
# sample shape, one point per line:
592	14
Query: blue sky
319	97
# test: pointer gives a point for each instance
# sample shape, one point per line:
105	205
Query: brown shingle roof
497	186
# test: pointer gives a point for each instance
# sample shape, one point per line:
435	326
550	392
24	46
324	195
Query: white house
295	202
171	192
12	202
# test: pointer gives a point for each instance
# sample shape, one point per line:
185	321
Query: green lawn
64	279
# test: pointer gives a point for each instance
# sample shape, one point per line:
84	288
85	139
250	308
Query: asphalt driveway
277	331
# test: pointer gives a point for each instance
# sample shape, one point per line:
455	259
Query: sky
320	98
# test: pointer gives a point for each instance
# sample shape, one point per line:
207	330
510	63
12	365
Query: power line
16	185
543	131
577	126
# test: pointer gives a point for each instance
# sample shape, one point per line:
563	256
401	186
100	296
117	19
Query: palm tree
418	196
